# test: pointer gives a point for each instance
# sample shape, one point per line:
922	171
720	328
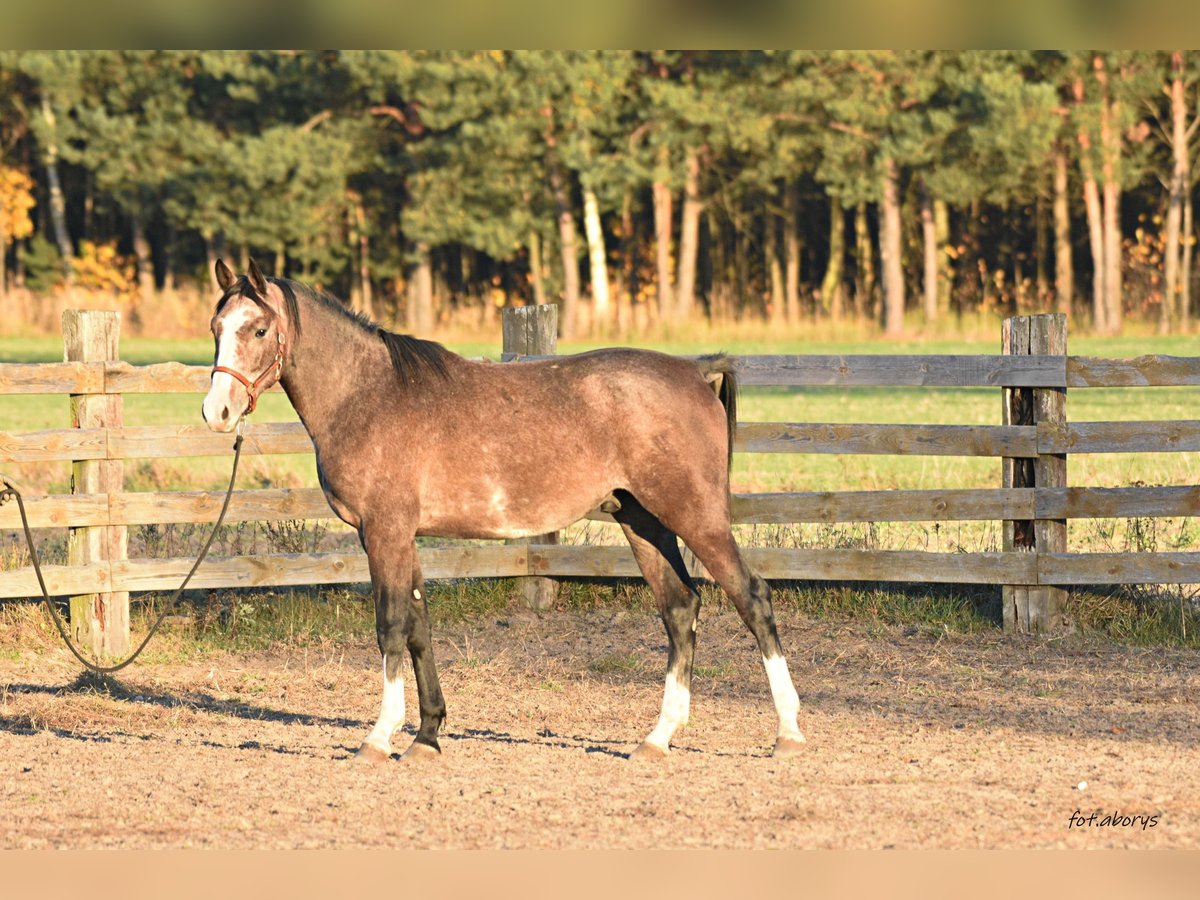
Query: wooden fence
1033	502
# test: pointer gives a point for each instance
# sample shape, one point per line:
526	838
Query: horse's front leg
390	558
429	690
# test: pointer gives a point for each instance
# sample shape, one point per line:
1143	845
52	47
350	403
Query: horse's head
250	329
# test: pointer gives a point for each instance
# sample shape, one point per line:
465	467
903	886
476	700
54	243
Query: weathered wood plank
1119	437
269	505
1106	503
883	506
1151	370
278	570
161	378
99	619
1119	568
52	378
166	441
902	371
61	581
816	565
884	370
58	511
54	444
890	440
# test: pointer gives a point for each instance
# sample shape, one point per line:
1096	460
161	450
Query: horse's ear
225	278
257	281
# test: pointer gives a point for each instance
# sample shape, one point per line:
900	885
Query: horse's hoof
369	753
648	752
421	751
786	746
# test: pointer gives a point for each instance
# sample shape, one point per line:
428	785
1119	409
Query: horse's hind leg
657	552
751	595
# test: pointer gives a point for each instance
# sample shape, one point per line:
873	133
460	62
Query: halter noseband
253	387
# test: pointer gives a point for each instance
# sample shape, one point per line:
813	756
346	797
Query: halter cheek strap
254	388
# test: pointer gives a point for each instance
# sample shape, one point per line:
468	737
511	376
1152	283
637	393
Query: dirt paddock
916	740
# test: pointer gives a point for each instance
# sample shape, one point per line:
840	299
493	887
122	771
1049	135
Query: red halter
252	387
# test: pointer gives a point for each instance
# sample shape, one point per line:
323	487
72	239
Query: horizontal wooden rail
887	440
1118	568
52	378
1140	371
852	370
1119	437
881	370
499	561
829	507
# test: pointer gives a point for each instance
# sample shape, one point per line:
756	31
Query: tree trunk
889	251
1064	269
864	262
941	231
144	260
932	306
741	266
1170	310
662	244
774	266
58	203
629	279
689	239
791	251
566	233
420	291
597	263
1041	251
1185	270
168	258
1110	147
535	267
831	284
1091	202
366	297
210	261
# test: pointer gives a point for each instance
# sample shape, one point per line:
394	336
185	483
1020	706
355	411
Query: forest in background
636	189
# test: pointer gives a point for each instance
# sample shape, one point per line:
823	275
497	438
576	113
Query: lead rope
12	491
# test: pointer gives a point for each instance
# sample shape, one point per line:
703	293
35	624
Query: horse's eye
262	332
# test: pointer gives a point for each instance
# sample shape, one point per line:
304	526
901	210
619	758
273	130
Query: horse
412	440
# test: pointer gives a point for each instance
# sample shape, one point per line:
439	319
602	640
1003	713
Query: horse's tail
717	370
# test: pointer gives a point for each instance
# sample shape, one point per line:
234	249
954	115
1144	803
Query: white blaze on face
227	397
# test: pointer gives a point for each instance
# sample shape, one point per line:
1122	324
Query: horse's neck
329	366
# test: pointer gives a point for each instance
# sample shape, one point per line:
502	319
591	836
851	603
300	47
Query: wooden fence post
1029	608
98	620
532	331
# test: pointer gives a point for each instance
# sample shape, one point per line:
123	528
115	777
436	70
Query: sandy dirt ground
917	739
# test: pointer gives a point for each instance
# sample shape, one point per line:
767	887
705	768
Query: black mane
411	357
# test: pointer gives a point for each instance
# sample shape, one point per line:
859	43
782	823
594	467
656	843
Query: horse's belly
501	515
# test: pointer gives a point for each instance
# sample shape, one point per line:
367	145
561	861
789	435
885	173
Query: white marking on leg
416	593
783	692
391	711
677	700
